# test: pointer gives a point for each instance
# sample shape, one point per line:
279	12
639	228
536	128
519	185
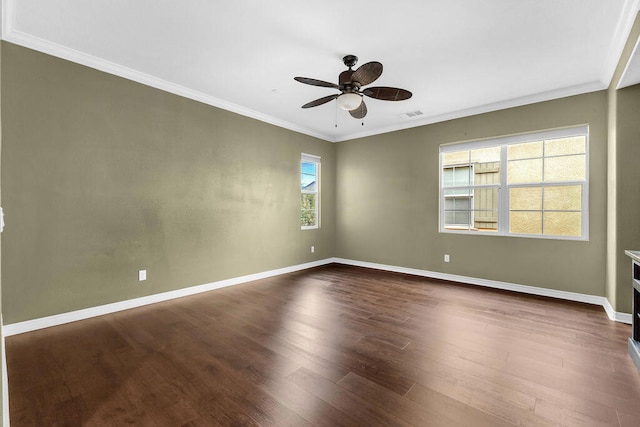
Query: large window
533	185
310	191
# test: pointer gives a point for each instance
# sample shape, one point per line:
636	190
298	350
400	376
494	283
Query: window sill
481	232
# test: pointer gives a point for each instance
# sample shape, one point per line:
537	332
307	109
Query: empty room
274	213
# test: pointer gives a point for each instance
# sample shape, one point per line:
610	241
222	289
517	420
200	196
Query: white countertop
635	255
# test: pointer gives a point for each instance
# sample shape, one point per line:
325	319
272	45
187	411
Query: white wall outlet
142	275
447	258
313	249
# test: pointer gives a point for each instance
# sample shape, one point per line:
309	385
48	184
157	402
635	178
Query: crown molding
630	75
8	32
41	45
589	87
50	48
621	34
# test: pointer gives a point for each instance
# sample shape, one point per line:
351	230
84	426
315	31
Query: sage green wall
103	176
387	202
628	192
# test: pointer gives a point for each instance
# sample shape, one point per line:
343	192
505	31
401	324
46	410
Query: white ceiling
458	57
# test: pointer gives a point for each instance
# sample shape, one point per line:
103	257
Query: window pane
447	177
567	168
527	150
524	171
462	203
526	198
309	186
525	222
458	192
457	203
448	204
457	218
485	209
308	183
308	218
485	220
448	218
562	146
308	201
455	158
308	176
457	176
308	211
462	176
308	168
485	155
563	223
462	217
486	173
563	198
485	199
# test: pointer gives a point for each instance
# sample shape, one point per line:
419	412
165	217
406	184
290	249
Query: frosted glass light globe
349	101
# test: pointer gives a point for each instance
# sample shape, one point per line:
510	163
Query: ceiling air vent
410	114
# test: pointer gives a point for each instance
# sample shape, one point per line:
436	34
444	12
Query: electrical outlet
313	249
447	258
142	275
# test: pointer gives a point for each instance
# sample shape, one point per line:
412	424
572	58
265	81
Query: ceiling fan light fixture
350	85
349	101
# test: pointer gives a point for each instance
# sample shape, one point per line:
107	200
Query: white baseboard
616	315
59	319
73	316
570	296
5	383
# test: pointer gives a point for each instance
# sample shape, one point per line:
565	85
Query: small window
532	185
310	191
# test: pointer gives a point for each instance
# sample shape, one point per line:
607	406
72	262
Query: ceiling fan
350	84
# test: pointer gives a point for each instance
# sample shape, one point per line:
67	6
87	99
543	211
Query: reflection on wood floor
333	345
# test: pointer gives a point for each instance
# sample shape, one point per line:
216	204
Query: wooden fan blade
387	93
367	73
320	101
359	112
315	82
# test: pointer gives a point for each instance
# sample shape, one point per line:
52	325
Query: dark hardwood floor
331	346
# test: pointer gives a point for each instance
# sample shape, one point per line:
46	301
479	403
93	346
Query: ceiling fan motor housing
345	83
350	60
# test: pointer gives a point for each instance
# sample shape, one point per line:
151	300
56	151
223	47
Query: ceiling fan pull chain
336	113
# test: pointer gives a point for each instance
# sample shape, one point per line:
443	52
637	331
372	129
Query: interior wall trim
532	290
31	42
15	36
73	316
5	381
616	315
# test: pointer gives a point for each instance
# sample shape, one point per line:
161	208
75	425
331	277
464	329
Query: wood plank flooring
331	346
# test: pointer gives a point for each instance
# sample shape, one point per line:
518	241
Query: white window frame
503	188
310	158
